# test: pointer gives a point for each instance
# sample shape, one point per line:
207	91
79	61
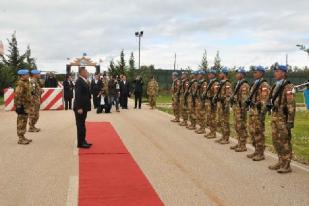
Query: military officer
192	100
175	96
36	92
152	92
210	105
183	92
256	102
238	99
282	105
223	93
200	103
22	101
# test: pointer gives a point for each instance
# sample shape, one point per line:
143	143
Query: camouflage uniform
240	114
36	93
152	92
175	99
192	104
283	113
256	123
211	108
183	101
200	106
223	94
22	99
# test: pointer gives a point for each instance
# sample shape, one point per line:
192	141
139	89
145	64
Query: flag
1	48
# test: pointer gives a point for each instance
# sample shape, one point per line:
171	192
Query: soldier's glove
20	110
290	125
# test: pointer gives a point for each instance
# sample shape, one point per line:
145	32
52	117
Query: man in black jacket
124	92
68	88
113	92
96	87
82	104
138	91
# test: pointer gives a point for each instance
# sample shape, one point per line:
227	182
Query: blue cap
241	70
202	72
212	71
224	70
282	68
259	69
23	72
195	72
35	71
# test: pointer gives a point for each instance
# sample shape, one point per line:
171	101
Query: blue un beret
23	72
195	72
282	68
241	70
202	72
224	70
212	71
259	69
35	71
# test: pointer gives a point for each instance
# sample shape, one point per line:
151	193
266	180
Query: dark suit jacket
82	95
68	88
96	87
138	88
125	88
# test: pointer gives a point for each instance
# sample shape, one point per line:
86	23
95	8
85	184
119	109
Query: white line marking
72	196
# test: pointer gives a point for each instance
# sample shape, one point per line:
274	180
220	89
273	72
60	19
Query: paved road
184	168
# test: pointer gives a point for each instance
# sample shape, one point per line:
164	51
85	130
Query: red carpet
108	175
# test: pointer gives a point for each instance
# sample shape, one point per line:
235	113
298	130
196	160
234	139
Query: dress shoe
85	146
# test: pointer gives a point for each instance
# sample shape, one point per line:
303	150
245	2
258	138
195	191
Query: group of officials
104	91
200	102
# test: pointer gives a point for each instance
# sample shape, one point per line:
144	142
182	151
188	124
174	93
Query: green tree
217	62
13	60
7	77
131	70
112	69
29	60
121	67
204	64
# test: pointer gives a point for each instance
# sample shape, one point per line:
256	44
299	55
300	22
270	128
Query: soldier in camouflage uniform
238	100
282	105
223	93
210	106
36	93
175	97
183	92
152	92
200	103
192	101
256	102
22	102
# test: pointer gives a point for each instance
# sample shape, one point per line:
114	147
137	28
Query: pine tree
112	69
204	64
132	62
13	60
30	61
217	62
121	67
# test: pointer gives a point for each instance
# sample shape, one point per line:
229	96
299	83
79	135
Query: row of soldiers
27	101
200	102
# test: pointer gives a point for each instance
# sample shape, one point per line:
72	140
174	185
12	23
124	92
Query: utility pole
175	62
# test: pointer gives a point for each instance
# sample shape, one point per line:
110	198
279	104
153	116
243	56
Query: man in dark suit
82	104
68	88
138	91
96	87
124	92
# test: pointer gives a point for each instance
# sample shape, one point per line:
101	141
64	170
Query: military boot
33	129
200	131
285	168
258	157
252	155
234	147
241	148
210	135
219	140
225	141
175	120
22	141
191	127
183	123
275	166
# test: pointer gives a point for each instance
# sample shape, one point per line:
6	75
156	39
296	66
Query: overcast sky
246	32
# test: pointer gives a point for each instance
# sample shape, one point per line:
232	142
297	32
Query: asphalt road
183	167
